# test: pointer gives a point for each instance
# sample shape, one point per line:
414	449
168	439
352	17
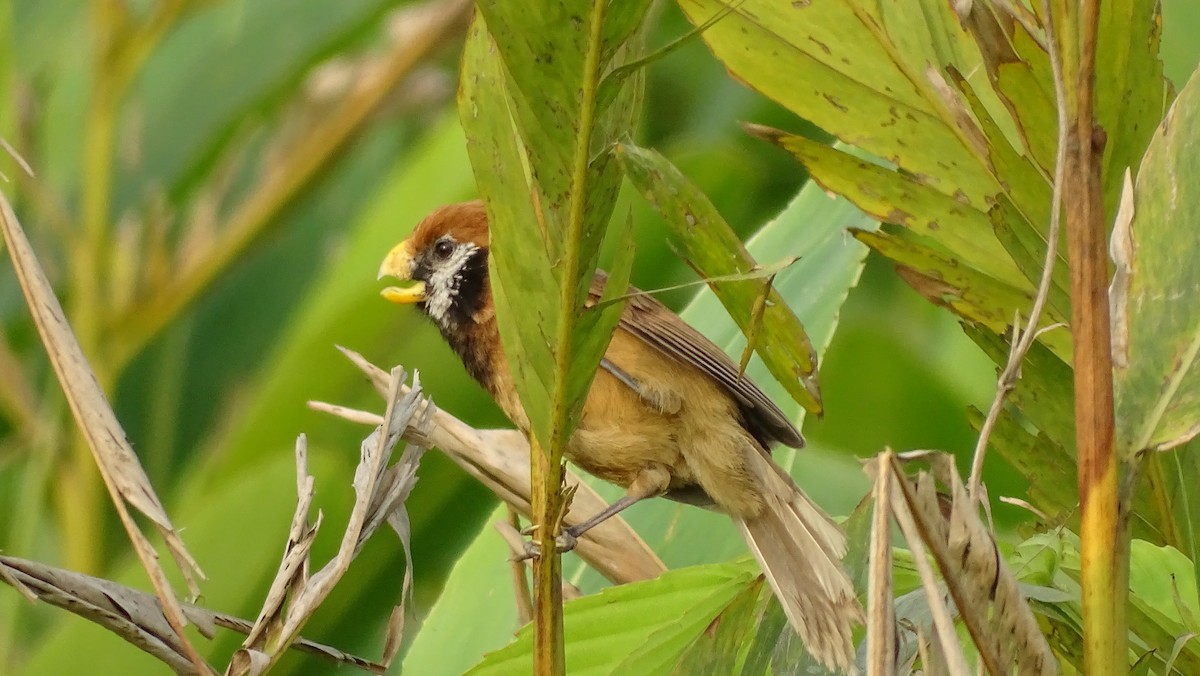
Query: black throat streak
472	335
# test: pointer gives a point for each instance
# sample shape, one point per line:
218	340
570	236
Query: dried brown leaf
137	616
881	612
499	459
380	491
985	592
123	475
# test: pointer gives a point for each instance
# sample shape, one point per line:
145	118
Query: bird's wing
659	327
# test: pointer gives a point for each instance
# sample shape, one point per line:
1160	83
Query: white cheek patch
442	287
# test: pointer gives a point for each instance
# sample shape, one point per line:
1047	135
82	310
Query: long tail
800	550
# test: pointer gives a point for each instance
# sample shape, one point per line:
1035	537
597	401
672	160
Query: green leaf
1156	331
1162	596
717	650
479	584
896	198
638	628
835	64
713	249
1131	103
484	103
541	133
965	291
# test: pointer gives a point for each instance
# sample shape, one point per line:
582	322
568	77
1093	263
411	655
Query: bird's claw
565	542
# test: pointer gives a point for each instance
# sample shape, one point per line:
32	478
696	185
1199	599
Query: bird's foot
565	542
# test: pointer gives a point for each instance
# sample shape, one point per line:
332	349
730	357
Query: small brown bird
667	414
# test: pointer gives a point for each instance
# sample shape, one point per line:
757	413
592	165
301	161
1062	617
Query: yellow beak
399	264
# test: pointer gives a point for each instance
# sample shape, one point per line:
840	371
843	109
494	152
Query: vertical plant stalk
119	52
283	182
1103	546
549	656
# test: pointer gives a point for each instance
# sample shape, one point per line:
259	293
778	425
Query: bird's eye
443	249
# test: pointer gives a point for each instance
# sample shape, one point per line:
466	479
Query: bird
668	414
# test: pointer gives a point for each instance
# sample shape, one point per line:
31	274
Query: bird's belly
618	453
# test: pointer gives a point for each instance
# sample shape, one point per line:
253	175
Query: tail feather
800	549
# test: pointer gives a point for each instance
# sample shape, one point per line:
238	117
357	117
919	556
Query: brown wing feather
658	327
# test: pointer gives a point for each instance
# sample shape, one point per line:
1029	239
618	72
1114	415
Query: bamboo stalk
1101	533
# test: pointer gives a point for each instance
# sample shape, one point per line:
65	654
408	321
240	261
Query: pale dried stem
119	466
1024	337
881	613
137	616
943	623
380	492
499	459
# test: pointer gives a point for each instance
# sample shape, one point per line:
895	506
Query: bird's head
445	265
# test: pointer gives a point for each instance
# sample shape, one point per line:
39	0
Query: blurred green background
212	206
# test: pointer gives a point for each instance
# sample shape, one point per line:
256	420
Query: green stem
549	658
1104	538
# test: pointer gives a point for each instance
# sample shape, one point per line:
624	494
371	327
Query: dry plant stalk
137	616
380	491
213	248
1024	336
499	459
881	609
985	593
119	466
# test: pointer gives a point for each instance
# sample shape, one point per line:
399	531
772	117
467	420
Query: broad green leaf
967	292
895	198
1156	330
479	586
541	133
1133	97
1023	79
638	628
717	650
833	63
713	249
484	105
1028	187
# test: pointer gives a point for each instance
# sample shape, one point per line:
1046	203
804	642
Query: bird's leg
650	482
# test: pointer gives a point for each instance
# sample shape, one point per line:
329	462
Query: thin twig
943	624
1026	18
1024	337
520	581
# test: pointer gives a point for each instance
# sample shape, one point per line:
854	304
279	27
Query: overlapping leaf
540	137
642	627
714	250
1156	329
